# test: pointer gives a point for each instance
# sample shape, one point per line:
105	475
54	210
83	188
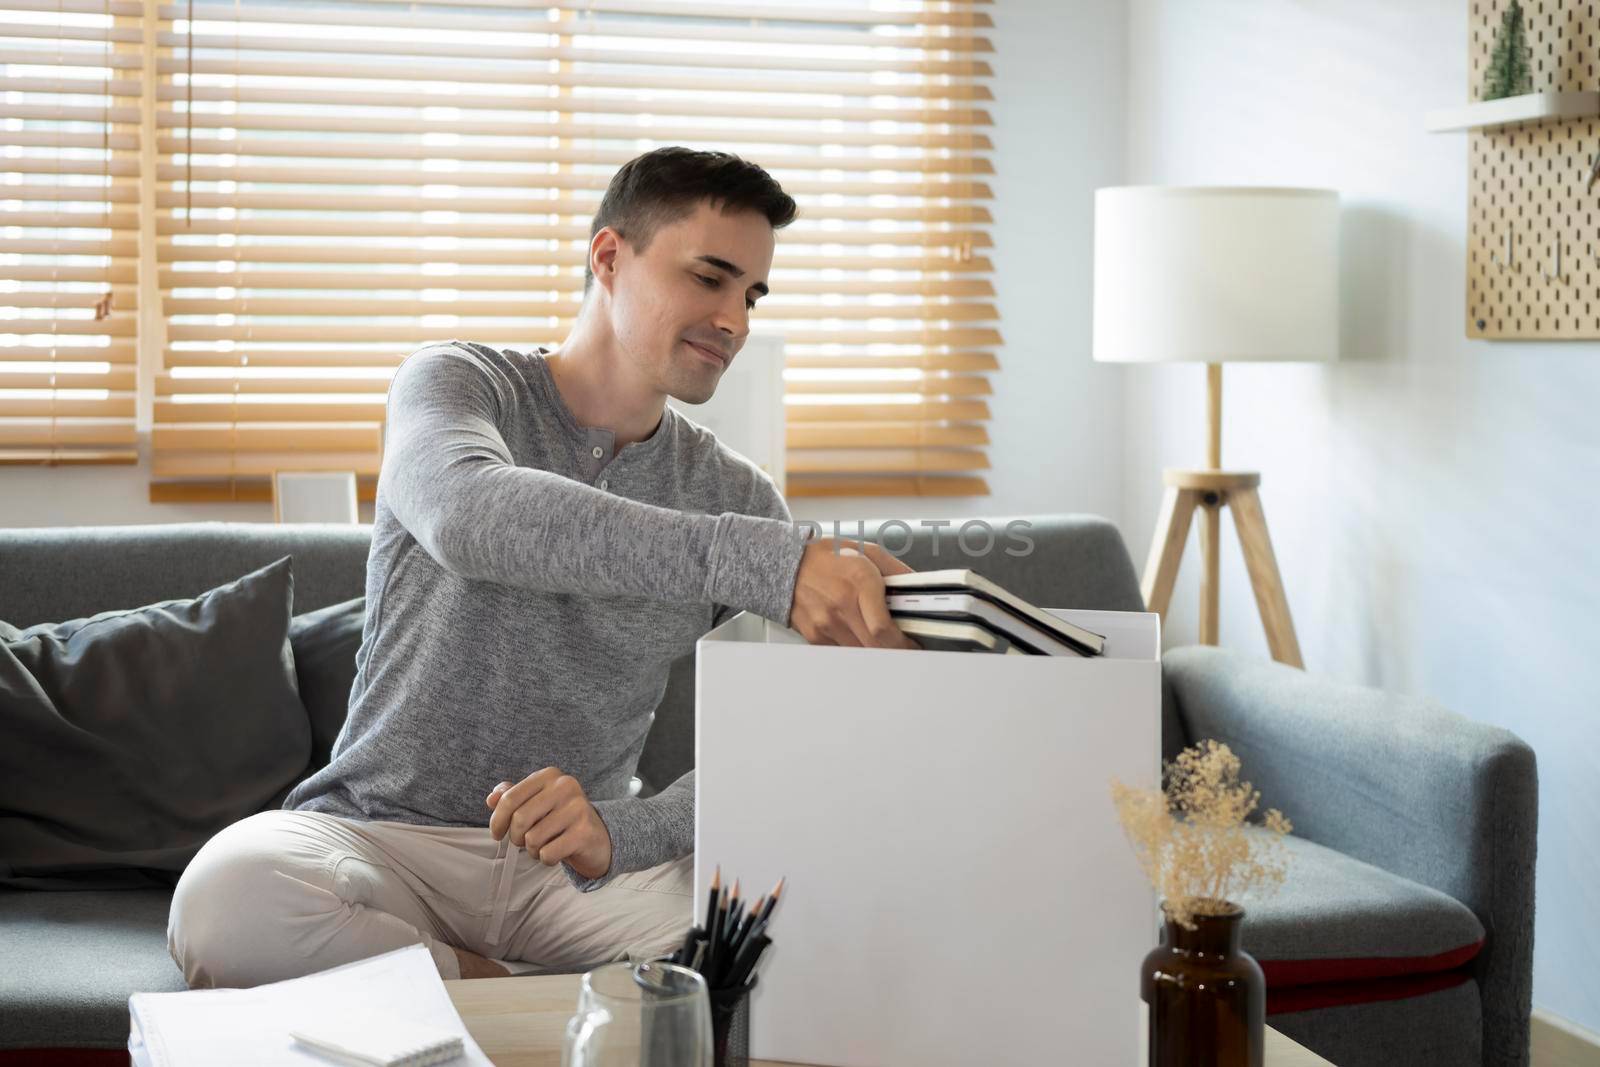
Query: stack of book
961	610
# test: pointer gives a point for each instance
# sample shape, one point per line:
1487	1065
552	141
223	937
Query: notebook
976	611
945	635
391	1043
1087	642
253	1027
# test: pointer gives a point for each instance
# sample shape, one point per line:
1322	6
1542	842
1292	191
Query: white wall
1433	500
99	496
102	496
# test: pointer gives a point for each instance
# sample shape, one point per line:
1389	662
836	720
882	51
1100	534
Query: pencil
746	963
731	947
684	954
756	920
708	928
742	930
757	929
716	950
730	923
772	901
715	895
711	902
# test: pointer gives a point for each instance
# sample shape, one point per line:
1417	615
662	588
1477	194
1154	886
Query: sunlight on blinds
69	98
339	184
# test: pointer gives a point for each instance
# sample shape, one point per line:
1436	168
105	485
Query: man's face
694	285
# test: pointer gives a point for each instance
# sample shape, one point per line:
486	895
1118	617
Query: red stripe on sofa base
63	1057
1288	973
1337	994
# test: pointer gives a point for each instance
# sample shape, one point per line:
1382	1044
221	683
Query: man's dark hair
667	184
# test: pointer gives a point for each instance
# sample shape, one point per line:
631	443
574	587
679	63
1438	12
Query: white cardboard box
959	888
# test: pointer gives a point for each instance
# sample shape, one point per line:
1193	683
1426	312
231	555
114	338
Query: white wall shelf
1530	107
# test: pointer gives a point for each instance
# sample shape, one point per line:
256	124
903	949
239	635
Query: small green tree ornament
1510	73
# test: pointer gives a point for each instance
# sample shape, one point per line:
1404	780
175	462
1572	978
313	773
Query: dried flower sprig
1190	839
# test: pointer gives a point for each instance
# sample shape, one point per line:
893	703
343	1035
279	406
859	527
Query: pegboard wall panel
1526	182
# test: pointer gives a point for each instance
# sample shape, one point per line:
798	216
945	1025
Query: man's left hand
548	814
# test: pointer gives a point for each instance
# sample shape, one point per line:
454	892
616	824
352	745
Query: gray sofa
1403	934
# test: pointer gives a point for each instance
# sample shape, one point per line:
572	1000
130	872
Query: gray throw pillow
325	643
133	736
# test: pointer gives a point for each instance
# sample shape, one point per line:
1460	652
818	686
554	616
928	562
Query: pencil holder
730	1025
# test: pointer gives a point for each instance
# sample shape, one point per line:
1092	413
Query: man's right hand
839	595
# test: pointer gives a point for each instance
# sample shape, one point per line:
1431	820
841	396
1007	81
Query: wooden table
519	1022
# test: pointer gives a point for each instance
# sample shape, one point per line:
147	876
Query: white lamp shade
1215	274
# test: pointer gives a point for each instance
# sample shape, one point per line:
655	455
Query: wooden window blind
340	184
70	84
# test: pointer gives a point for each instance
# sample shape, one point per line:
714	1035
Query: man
548	537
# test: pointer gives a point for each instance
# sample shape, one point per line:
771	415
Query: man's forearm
645	832
533	529
449	478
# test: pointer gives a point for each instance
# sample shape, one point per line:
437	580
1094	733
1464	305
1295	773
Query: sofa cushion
325	642
133	736
1337	919
72	959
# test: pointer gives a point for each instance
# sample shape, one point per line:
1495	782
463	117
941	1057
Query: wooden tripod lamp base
1211	491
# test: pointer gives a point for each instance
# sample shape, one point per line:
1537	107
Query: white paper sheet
250	1027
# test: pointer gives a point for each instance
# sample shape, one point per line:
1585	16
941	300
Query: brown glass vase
1207	997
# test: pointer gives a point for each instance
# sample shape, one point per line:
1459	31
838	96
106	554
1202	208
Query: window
338	184
70	83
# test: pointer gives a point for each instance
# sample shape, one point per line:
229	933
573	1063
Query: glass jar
648	1014
1207	996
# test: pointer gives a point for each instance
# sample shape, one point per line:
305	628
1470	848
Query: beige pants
287	893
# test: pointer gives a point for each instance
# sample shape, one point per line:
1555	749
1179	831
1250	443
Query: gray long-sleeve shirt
527	590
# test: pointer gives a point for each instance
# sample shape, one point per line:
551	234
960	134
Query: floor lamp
1214	275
